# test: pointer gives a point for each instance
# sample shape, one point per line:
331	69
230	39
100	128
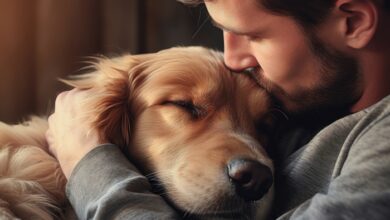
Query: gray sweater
342	173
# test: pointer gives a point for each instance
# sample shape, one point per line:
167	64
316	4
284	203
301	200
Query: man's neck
376	80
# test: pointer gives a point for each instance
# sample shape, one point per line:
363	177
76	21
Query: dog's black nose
251	179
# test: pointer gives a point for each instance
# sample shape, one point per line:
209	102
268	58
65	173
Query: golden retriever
180	115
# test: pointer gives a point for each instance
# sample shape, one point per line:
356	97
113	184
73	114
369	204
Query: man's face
296	67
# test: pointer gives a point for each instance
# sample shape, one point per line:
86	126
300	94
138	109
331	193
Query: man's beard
337	90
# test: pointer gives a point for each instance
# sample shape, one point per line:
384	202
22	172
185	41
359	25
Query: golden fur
31	181
179	114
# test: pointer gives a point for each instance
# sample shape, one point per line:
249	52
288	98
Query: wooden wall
42	40
17	78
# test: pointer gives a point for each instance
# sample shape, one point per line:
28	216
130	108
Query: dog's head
186	121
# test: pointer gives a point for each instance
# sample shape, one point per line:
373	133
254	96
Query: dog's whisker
200	27
158	174
279	111
186	214
163	194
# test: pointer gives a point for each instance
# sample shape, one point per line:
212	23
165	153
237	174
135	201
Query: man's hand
70	135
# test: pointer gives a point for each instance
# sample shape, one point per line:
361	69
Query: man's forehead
242	17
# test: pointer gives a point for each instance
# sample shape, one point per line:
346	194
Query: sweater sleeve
360	189
104	185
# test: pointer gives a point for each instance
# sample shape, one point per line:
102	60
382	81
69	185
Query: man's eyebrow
220	26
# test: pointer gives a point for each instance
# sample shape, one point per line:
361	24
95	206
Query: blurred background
43	40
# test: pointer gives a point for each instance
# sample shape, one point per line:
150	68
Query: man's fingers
60	99
50	141
71	100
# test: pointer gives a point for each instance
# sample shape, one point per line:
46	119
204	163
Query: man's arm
361	188
104	185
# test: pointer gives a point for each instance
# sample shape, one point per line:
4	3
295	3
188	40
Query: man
310	55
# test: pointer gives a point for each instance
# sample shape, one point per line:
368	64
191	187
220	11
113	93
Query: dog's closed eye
195	111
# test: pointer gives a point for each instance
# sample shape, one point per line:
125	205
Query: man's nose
237	52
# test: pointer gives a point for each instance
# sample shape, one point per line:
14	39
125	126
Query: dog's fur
179	115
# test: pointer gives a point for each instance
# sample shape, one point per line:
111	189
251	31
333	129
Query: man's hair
386	5
307	12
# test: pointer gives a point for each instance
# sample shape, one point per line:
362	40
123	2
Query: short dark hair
307	12
386	5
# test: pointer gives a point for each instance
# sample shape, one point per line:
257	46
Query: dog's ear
112	83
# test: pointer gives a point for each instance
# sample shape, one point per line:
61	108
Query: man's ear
360	20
